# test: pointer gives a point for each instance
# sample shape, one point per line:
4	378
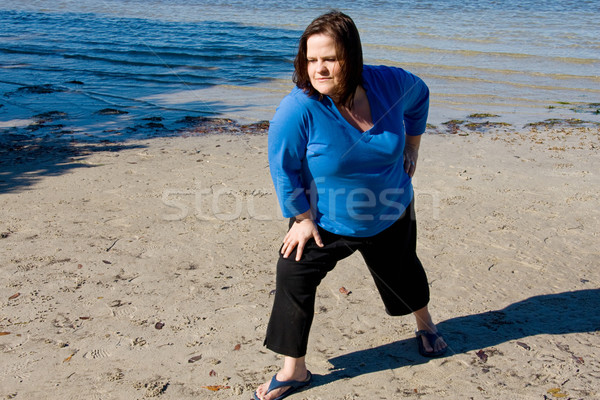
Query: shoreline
55	125
77	116
144	268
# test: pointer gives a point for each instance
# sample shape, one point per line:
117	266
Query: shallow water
525	61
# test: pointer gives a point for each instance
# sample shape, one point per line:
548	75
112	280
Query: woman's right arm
288	139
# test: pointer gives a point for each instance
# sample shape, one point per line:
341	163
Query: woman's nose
321	67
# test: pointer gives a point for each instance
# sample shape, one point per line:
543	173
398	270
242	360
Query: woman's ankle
293	369
424	320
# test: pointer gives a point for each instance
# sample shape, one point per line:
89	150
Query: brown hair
348	52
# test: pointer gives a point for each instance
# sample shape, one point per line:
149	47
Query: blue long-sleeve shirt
354	181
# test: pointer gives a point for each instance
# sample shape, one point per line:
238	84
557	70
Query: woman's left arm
415	119
411	154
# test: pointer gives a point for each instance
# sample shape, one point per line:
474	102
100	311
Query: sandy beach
145	269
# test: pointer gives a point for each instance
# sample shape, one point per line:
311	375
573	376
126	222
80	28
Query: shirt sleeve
416	102
415	99
287	151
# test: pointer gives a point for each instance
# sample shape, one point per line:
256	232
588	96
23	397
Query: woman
343	147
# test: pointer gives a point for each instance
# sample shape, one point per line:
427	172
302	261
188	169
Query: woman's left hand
411	154
410	160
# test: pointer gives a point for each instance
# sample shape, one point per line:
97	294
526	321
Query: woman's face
323	65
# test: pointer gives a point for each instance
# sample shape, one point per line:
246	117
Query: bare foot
439	344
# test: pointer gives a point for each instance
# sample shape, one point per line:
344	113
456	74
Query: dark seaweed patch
111	111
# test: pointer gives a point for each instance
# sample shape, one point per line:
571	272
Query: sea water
524	61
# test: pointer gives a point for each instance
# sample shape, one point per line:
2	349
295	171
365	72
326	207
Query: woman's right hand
302	230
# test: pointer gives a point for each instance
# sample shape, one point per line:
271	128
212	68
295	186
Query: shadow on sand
26	159
553	314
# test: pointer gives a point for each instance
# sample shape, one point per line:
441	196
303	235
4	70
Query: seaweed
453	125
51	115
195	120
260	125
485	125
592	108
483	115
551	122
111	111
454	122
36	89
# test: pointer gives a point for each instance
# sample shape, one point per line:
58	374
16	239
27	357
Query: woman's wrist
305	216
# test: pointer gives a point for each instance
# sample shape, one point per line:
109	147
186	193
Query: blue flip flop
294	386
431	338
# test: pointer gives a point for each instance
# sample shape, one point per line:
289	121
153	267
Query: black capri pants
390	256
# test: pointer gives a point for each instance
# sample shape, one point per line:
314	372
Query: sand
146	269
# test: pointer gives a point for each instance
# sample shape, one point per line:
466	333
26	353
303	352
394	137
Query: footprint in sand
122	310
96	354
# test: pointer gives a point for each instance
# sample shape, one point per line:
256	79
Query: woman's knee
299	276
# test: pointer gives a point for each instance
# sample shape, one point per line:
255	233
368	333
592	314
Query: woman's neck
359	114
